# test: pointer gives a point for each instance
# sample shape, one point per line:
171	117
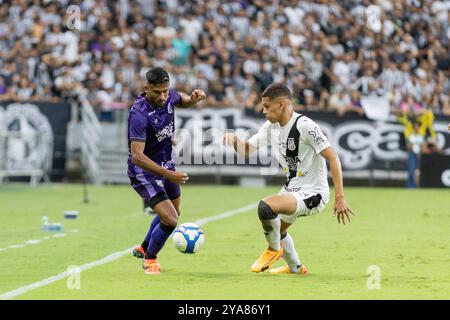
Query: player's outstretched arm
340	205
243	148
140	159
196	96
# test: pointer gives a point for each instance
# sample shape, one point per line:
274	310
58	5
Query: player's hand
229	139
342	210
197	95
177	177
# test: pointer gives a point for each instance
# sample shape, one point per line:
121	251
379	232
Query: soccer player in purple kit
151	167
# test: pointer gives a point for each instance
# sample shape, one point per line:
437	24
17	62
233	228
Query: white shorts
302	209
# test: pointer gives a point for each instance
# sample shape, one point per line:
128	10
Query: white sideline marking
16	246
59	235
32	242
114	256
226	214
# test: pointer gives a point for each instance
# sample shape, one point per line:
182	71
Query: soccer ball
188	238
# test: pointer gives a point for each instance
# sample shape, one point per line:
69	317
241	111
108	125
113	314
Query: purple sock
154	223
159	236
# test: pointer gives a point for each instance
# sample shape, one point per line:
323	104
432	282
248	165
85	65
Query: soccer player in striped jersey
302	150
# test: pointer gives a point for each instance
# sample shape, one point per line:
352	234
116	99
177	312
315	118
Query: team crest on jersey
169	108
160	183
291	144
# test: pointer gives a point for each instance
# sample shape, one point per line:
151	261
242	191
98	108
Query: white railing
91	132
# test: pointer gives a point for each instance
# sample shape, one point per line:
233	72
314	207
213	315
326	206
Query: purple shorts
152	187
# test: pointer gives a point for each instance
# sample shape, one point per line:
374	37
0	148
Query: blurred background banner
33	139
435	170
361	143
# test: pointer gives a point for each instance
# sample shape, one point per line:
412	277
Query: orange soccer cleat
151	266
285	270
265	261
139	252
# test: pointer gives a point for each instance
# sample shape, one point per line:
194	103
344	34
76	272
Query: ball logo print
188	238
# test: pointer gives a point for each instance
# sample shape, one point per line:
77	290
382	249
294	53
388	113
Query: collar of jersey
291	120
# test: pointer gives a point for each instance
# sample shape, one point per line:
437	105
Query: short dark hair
157	76
276	90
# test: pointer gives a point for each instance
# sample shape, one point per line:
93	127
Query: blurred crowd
331	53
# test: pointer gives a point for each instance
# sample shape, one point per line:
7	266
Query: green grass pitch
405	233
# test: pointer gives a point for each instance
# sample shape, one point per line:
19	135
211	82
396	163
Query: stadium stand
329	52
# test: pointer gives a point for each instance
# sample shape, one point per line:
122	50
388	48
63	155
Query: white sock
289	253
272	232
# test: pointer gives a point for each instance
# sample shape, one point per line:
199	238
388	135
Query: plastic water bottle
44	223
56	227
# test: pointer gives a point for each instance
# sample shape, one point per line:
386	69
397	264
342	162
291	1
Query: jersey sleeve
261	138
312	135
175	97
138	127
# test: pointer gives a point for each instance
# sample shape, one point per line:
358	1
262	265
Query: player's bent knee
168	229
265	212
170	221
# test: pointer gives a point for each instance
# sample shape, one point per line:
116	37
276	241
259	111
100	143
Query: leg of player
168	221
289	254
173	192
139	252
176	204
268	210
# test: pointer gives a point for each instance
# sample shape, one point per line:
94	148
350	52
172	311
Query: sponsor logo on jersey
297	189
165	133
293	163
167	164
316	135
169	108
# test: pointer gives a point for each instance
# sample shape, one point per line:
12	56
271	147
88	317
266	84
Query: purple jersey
155	127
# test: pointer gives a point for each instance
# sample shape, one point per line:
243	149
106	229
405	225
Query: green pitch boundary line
114	256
